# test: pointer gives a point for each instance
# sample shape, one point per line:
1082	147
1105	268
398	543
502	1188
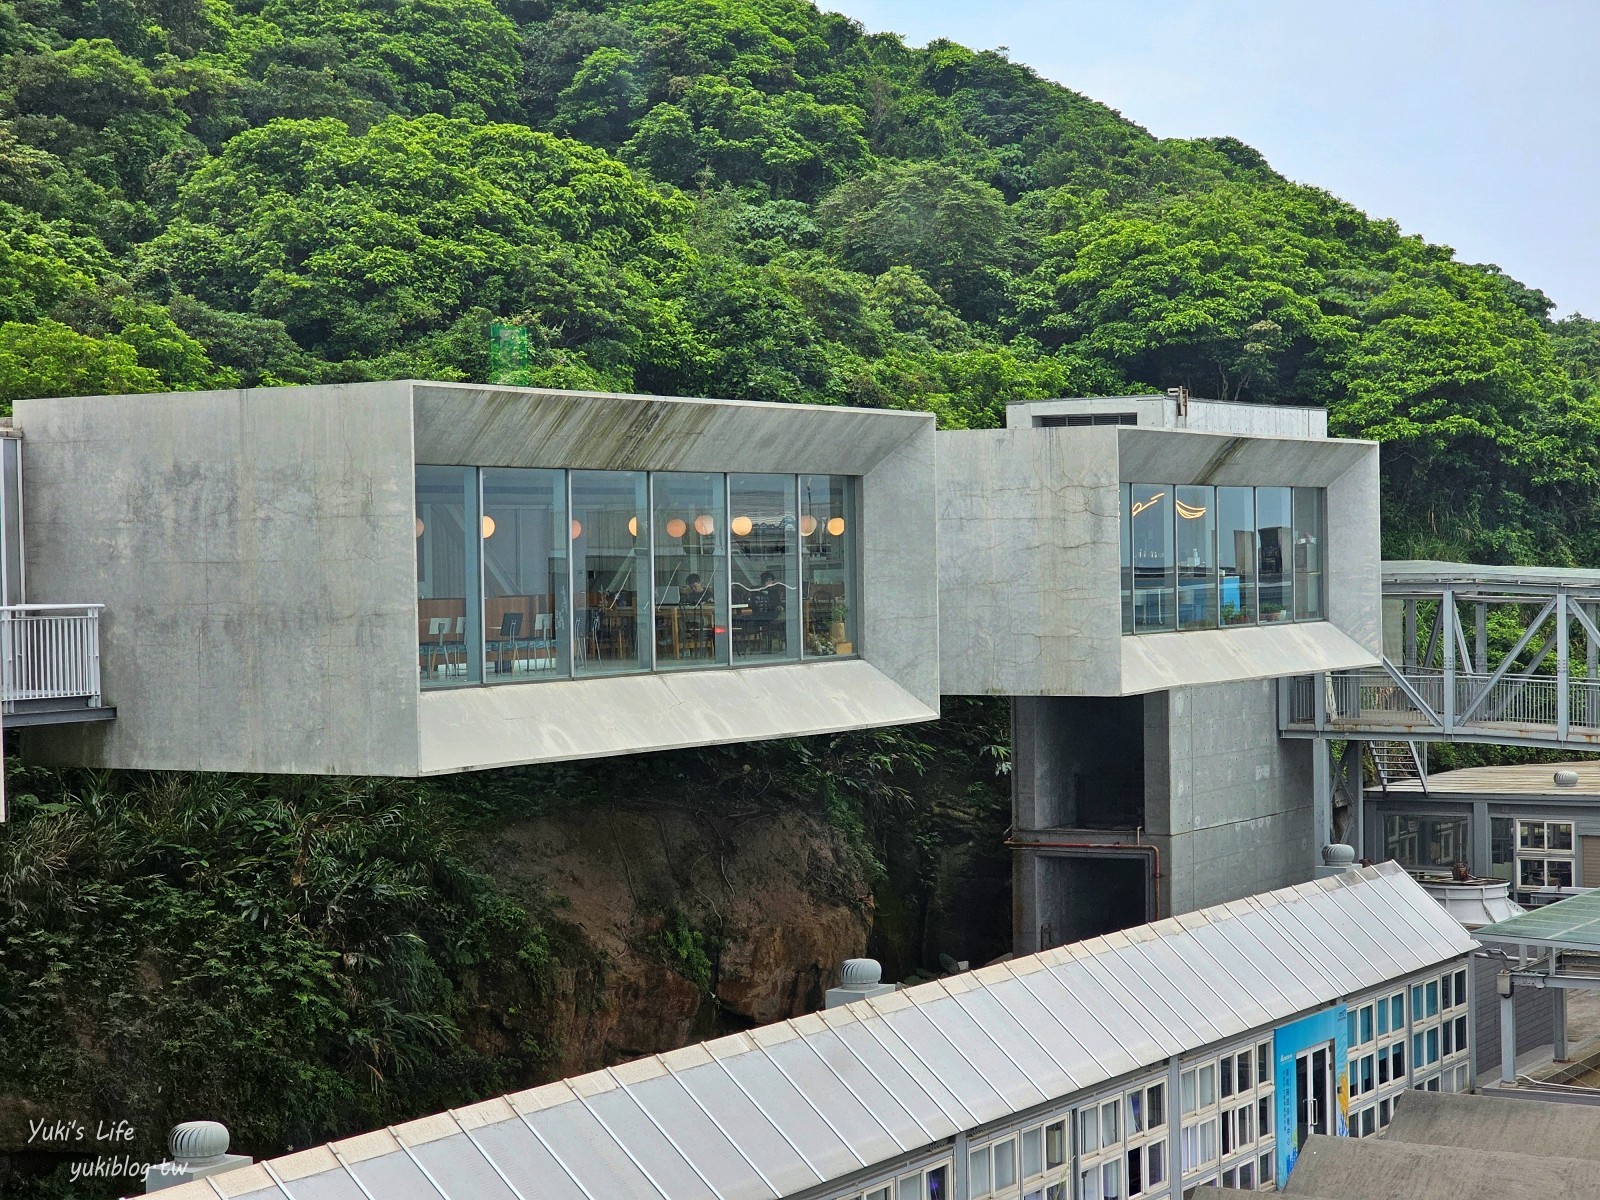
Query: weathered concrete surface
1160	411
472	728
254	550
1030	560
1334	1168
1533	1126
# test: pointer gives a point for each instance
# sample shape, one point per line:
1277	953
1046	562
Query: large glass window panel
610	572
690	529
525	545
1309	555
1274	548
765	567
1126	530
1236	555
829	536
449	632
1154	581
1195	512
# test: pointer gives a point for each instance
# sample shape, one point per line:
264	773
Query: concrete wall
1236	816
255	553
1030	560
1227	805
1160	411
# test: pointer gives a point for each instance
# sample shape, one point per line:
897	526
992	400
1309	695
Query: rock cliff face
683	925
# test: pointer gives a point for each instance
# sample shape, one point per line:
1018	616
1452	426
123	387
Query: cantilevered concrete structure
1135	572
292	579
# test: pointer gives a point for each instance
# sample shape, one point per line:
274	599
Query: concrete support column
1322	793
1481	838
1558	1025
1508	1032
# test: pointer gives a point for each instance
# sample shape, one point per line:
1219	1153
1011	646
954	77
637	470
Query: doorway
1313	1093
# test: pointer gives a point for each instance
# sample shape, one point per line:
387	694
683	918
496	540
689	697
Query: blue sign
1291	1040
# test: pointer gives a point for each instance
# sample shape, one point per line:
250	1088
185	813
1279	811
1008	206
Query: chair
458	646
434	646
543	639
504	645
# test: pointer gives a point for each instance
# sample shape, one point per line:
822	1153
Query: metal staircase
1396	761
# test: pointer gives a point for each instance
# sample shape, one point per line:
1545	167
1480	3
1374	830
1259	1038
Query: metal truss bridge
1537	685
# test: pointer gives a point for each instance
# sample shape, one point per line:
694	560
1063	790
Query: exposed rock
771	899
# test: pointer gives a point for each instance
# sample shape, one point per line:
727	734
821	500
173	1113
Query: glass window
1135	1171
910	1187
1088	1130
1157	1107
1244	1071
1397	1010
1433	997
1208	1085
765	568
1055	1144
525	542
1186	1091
1154	583
1502	847
1109	1125
878	1194
1309	604
1195	511
978	1171
1005	1164
1274	527
1426	841
829	535
1135	1112
1366	1023
1125	530
1532	835
610	543
1263	1061
1111	1180
449	548
690	532
938	1180
1032	1152
1155	1161
1236	554
1559	835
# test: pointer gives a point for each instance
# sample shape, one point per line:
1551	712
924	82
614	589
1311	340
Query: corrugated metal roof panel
787	1107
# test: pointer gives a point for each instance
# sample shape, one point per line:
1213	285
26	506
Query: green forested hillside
745	198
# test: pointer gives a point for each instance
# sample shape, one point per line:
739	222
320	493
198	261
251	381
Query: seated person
694	593
767	600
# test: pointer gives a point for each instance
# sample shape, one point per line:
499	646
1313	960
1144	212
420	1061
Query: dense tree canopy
737	197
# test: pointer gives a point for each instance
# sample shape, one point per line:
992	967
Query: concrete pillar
1508	1032
1481	838
1558	1025
1322	793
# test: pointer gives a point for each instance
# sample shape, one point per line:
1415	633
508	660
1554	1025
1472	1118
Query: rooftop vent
1079	420
1566	779
199	1149
859	979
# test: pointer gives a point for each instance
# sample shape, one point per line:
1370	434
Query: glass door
1313	1093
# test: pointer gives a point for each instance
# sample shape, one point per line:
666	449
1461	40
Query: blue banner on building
1325	1031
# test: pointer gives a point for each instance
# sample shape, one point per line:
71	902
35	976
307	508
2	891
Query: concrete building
1135	572
1204	1049
413	578
416	578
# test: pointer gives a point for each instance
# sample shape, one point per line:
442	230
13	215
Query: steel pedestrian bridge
1507	656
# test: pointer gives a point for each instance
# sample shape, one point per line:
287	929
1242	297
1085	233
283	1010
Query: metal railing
1377	699
50	652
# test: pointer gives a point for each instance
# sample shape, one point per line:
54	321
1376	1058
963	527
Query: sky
1474	124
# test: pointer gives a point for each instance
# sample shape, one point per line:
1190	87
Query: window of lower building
1154	583
525	544
1275	554
449	551
1544	857
610	572
764	568
1309	551
689	528
1195	514
1419	840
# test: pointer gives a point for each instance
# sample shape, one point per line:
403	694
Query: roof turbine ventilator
1567	779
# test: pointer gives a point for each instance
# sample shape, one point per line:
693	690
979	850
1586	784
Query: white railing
50	652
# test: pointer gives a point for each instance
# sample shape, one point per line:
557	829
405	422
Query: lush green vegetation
744	198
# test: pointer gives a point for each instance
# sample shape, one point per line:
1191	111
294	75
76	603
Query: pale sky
1473	123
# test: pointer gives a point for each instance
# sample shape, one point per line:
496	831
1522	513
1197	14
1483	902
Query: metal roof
1510	780
788	1107
1470	579
1570	924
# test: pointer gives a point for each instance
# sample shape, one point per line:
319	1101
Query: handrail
49	652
